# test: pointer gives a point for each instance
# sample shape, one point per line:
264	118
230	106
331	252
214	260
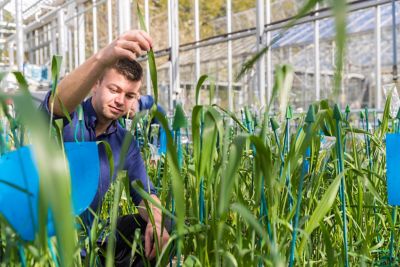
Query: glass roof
30	7
358	21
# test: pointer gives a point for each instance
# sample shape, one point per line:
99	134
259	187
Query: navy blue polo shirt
114	135
146	102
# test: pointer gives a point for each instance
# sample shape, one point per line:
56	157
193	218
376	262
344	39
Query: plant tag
128	124
393	168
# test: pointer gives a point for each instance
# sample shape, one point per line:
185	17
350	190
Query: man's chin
113	117
116	117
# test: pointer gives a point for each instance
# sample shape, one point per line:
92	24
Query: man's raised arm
73	89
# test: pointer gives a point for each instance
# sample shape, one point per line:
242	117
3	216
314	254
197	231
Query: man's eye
134	96
113	90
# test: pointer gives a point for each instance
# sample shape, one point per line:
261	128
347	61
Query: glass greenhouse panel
213	63
114	14
283	9
158	16
359	62
244	90
221	78
30	8
387	42
187	77
296	47
88	26
102	25
187	21
212	18
243	15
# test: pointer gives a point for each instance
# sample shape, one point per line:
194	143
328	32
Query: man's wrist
99	59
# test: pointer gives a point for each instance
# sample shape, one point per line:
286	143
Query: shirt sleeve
137	171
145	102
44	106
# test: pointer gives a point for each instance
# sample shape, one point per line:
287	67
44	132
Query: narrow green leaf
54	185
55	72
150	58
288	76
145	195
227	180
229	259
330	258
323	207
198	87
209	142
339	10
196	117
177	181
109	154
192	261
113	218
233	116
153	74
250	219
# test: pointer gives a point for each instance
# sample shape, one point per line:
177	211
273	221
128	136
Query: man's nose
120	99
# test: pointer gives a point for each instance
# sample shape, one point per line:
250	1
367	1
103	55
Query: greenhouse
199	133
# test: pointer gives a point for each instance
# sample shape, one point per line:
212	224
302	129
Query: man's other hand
150	244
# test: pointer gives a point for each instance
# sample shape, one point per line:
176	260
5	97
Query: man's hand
150	244
129	45
152	231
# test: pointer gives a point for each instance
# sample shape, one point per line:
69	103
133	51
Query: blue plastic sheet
19	185
393	168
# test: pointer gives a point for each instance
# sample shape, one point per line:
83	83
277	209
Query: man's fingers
147	37
144	44
165	239
126	53
147	242
131	46
141	37
153	252
150	246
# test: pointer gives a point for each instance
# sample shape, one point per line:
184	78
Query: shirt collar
91	117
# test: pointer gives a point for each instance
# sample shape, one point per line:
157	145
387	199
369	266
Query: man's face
114	95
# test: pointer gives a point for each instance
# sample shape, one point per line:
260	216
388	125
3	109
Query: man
114	77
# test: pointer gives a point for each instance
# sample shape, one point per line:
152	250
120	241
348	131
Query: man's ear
95	87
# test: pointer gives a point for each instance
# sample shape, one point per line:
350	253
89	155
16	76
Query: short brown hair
130	69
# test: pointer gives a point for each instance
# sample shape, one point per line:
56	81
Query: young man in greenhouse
114	78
